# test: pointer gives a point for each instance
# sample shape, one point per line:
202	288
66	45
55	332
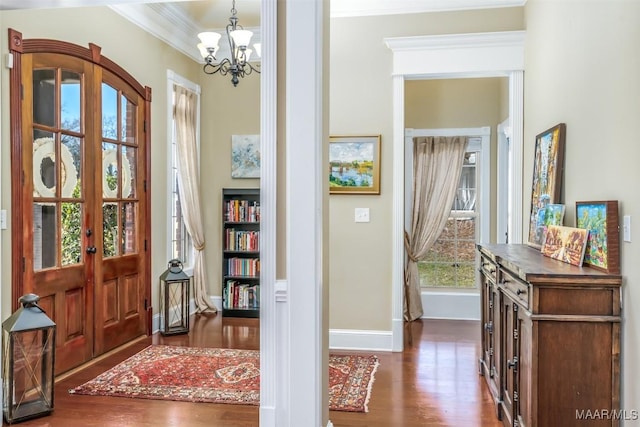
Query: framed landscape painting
354	164
603	245
547	179
553	214
566	244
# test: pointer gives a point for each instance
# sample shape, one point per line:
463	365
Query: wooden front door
120	312
82	201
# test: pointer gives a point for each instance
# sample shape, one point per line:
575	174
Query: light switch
626	228
362	215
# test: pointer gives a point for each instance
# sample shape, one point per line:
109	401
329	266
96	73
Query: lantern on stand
174	300
28	360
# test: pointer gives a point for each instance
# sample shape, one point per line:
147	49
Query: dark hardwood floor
434	382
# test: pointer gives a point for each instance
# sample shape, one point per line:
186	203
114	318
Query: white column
397	266
306	141
270	375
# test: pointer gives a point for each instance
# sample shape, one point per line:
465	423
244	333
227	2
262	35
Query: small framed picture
553	214
245	156
566	244
354	164
603	245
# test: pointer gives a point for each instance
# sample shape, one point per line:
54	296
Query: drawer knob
519	292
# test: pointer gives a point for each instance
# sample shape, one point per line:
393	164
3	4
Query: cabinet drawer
489	268
516	288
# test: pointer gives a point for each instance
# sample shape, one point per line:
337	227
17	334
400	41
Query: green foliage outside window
71	218
71	224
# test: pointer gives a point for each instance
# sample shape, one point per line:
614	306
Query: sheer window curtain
437	165
185	112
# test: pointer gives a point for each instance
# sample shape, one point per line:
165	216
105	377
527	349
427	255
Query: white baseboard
397	335
215	300
348	339
267	416
451	305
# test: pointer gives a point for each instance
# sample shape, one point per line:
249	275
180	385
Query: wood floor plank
434	383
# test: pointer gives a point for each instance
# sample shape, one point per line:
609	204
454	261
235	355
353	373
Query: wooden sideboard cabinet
550	339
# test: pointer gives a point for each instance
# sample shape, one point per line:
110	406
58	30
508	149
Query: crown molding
165	23
172	25
39	4
352	8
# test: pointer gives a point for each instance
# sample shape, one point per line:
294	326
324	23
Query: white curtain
185	116
437	165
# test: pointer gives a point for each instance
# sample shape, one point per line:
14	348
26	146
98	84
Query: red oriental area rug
217	375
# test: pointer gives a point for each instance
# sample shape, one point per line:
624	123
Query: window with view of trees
450	262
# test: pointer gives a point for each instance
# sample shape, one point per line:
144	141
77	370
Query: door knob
91	250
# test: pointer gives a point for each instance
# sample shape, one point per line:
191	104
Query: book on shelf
243	267
242	240
240	295
237	210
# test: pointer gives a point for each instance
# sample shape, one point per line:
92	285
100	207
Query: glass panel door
79	143
119	286
56	164
57	267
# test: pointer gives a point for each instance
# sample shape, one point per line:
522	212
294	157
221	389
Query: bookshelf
241	252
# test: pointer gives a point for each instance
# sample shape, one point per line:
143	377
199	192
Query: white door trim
503	228
431	57
516	115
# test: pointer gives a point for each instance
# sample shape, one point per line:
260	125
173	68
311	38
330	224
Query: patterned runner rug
218	375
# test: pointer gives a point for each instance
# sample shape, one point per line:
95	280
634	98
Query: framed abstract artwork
547	179
566	244
354	164
603	245
245	156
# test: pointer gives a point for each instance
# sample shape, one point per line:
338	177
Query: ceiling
177	22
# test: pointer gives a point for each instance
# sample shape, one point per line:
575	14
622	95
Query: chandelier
238	64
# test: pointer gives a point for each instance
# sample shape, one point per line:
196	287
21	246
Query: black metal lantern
174	300
28	360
